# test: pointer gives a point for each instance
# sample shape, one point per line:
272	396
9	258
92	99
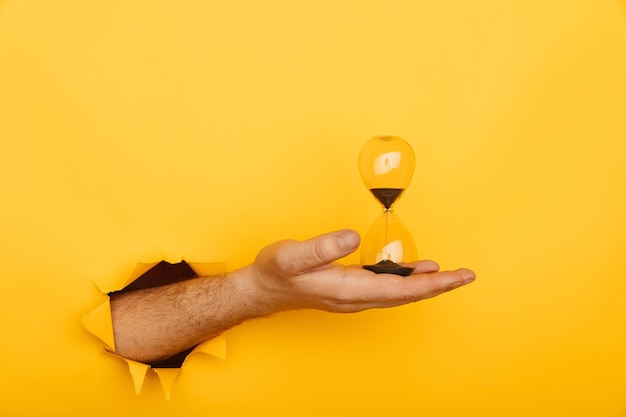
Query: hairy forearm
153	324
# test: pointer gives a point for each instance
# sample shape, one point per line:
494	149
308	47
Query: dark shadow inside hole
163	273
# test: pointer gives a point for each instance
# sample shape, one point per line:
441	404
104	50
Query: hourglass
386	165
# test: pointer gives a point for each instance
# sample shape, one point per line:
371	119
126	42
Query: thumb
298	257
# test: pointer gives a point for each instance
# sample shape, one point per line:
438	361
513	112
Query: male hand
291	275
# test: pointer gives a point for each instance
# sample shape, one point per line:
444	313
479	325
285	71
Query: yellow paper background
205	130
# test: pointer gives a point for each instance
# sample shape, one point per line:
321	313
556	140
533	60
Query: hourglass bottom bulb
389	267
388	247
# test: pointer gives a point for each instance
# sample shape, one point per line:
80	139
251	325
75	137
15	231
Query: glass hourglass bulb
386	165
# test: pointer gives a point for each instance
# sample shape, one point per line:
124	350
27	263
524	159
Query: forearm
154	324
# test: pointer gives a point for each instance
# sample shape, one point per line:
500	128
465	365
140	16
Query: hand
291	275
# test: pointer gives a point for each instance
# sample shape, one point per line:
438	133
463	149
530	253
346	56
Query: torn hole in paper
150	275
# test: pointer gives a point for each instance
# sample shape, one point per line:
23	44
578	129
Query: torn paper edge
99	323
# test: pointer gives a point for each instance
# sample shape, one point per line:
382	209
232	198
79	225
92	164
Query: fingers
299	257
447	281
367	290
425	267
422	286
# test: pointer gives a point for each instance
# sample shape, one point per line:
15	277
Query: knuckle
343	295
275	259
411	298
284	261
321	253
408	293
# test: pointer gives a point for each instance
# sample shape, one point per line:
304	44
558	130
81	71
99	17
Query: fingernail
347	240
468	276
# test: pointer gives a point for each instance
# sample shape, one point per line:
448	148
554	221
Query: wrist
255	298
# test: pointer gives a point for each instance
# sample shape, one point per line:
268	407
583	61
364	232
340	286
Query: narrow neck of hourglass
387	196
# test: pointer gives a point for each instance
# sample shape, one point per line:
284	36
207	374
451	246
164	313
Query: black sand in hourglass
388	196
389	267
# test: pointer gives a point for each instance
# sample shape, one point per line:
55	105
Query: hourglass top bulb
386	165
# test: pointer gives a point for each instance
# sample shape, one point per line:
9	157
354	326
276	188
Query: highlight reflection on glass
386	165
